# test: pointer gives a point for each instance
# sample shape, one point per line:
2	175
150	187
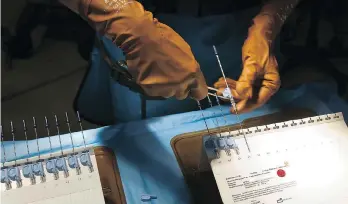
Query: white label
310	167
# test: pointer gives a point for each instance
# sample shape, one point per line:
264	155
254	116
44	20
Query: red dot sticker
281	173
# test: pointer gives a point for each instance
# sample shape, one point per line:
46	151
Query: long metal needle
58	133
233	103
13	142
36	137
79	121
69	128
2	145
47	126
26	139
218	59
205	122
223	115
215	119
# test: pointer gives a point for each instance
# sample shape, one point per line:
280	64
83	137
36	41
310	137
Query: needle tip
215	51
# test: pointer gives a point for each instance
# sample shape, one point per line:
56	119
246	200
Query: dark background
45	52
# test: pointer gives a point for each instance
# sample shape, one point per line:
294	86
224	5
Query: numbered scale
70	176
295	162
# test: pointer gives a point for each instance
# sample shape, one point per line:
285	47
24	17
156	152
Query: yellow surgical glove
158	58
260	79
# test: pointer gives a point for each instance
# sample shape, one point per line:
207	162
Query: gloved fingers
194	86
248	105
268	89
163	90
245	83
222	84
229	80
269	86
199	89
240	106
244	90
271	78
271	82
183	91
234	93
182	94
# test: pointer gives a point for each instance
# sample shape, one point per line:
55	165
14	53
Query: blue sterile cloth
105	100
146	160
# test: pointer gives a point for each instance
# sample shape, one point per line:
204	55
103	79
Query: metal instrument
48	177
255	176
227	95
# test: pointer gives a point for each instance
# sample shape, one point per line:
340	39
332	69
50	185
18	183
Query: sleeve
273	15
102	14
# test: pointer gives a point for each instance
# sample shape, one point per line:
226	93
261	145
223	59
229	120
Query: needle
233	103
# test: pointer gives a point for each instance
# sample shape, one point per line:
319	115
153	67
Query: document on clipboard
296	162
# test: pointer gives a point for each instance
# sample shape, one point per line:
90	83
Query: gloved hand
259	79
161	62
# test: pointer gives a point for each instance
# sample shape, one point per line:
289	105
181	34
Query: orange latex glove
159	59
259	79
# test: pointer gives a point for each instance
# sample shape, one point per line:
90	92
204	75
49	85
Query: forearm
108	17
273	15
100	7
